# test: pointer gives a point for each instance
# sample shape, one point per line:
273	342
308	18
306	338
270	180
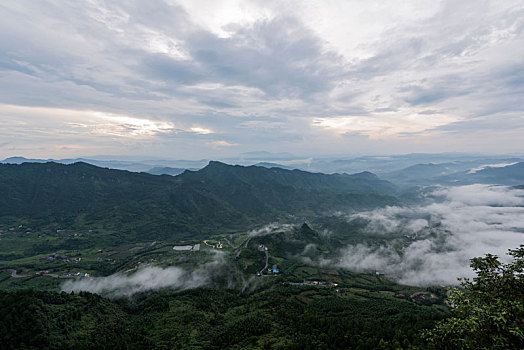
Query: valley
225	246
284	175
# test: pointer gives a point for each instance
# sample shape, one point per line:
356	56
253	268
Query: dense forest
280	318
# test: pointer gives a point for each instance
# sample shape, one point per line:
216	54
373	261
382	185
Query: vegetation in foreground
488	312
283	317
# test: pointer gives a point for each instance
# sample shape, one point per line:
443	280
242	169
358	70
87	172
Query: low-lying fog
432	243
461	223
152	278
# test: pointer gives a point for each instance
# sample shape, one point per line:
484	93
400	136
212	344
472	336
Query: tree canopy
488	311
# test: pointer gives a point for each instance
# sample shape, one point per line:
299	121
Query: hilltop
141	206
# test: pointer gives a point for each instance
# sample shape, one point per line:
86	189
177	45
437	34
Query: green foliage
277	318
488	312
46	320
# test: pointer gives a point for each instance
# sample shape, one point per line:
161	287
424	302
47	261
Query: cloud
384	124
60	120
202	131
68	147
270	229
222	143
217	272
462	223
151	278
273	75
130	126
497	165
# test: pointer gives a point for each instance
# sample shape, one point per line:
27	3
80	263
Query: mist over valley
191	174
418	235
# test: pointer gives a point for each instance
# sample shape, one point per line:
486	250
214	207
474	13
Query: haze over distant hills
508	171
416	168
156	167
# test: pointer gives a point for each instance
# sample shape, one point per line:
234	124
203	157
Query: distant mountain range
504	172
155	167
274	165
143	206
404	170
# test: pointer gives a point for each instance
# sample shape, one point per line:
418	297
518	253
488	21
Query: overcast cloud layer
206	78
470	222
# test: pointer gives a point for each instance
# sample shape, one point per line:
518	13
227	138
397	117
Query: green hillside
144	207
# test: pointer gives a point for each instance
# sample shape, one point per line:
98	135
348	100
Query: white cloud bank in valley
150	278
469	222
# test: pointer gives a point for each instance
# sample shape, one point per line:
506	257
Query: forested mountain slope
217	197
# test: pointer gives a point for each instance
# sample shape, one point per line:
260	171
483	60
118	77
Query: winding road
267	261
15	275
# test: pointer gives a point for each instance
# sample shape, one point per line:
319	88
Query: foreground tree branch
488	311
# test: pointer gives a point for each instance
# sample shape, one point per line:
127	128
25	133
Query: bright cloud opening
119	125
79	122
384	125
199	130
222	143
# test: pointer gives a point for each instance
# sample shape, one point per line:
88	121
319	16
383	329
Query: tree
488	312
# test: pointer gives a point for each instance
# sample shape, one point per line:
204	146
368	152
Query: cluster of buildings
272	271
419	296
13	229
219	245
61	257
312	283
71	275
194	248
64	275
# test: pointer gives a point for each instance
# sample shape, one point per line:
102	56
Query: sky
194	79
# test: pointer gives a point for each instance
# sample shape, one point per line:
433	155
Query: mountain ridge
218	197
